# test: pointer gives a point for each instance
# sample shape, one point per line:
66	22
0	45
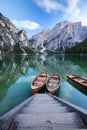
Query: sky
33	16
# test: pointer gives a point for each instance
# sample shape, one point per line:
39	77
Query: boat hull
53	91
55	84
39	83
82	82
38	90
77	86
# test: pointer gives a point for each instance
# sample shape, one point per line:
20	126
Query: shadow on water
17	72
57	92
77	86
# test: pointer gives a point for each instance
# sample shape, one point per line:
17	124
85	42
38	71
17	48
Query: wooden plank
27	120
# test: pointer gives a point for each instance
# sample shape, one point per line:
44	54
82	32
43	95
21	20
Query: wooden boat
79	80
39	82
53	83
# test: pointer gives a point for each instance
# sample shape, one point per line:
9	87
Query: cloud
55	5
68	8
49	5
73	13
72	8
84	22
30	25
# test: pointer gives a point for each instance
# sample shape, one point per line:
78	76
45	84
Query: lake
17	72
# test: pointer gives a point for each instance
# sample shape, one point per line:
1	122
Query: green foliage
50	52
31	41
5	49
80	48
28	50
17	49
0	38
57	51
0	16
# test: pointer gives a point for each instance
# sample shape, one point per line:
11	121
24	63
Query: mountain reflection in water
17	72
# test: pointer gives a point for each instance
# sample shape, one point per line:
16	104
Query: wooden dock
44	112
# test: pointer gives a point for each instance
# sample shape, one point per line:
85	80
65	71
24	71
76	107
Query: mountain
9	34
80	48
38	40
12	40
65	35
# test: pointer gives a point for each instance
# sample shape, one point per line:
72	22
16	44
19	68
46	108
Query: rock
65	35
13	40
22	37
10	35
39	39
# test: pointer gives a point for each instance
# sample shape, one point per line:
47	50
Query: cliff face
38	39
9	34
65	35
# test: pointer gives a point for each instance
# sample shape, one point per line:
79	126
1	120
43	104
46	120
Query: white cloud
79	18
49	5
72	8
53	5
73	13
84	22
30	25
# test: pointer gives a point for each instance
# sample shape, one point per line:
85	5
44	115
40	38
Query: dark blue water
17	72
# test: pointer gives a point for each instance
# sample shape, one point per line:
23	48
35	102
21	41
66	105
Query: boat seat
41	78
55	77
38	83
52	84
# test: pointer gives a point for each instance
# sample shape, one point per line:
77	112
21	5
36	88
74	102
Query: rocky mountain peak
39	38
65	35
5	22
9	34
22	37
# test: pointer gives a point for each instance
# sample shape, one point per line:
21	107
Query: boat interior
79	79
40	80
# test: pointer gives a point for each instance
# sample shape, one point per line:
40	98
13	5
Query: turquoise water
17	72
